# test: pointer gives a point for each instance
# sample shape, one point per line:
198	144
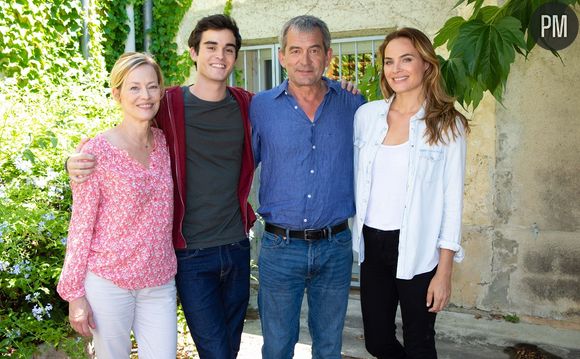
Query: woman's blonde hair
127	63
441	117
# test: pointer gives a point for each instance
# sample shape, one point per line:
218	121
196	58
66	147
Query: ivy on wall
41	43
167	15
116	29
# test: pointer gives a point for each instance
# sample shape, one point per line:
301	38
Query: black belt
307	234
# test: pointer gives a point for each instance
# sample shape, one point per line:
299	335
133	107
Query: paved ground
459	336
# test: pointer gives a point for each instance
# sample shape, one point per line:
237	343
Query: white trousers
149	312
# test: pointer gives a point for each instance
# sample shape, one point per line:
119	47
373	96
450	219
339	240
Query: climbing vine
167	15
116	29
41	43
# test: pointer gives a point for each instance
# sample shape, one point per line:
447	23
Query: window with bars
258	68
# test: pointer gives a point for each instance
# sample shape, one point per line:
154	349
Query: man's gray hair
305	23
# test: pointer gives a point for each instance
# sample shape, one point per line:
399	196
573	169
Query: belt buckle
310	234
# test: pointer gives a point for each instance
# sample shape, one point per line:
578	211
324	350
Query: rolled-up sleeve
453	182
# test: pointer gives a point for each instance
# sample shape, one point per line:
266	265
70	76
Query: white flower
51	174
40	182
3	265
52	191
3	192
64	240
22	164
28	297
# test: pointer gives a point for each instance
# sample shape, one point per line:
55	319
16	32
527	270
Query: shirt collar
387	104
330	85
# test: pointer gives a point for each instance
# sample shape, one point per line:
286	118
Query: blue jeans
287	267
214	288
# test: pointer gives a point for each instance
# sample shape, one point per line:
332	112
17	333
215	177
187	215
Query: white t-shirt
388	187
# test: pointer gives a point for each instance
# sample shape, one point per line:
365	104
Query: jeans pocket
185	254
271	241
343	238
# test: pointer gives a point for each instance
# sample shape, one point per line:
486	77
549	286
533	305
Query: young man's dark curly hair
214	22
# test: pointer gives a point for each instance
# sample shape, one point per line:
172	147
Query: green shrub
37	130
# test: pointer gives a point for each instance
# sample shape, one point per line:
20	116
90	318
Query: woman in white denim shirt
409	173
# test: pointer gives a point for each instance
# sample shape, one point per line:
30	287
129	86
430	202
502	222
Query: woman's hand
439	290
80	316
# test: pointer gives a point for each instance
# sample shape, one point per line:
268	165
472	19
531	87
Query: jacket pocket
430	163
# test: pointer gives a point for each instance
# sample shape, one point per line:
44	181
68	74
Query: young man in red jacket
208	134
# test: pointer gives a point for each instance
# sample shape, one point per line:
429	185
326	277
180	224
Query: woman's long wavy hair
443	121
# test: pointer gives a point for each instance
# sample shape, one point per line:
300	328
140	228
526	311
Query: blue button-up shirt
306	178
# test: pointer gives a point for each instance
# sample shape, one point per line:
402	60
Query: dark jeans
214	288
381	291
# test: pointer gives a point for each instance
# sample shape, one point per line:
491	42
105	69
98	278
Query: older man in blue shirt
302	135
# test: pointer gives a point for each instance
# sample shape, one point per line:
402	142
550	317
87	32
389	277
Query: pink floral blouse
121	221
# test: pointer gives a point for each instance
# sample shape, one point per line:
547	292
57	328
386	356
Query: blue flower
64	241
48	216
15	269
3	226
37	312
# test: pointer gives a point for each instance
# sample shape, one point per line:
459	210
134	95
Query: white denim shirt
432	214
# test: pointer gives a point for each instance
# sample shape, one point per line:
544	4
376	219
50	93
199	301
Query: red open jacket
170	119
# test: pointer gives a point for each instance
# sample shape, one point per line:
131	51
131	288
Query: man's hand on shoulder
80	165
349	86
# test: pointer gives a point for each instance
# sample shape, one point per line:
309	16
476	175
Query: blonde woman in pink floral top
118	274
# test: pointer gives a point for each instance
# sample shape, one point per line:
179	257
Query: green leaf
448	32
487	13
454	75
488	49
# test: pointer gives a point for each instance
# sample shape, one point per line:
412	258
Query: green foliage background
36	130
50	97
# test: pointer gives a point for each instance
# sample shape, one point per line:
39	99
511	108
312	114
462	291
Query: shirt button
296	107
313	147
305	220
286	92
309	196
311	171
